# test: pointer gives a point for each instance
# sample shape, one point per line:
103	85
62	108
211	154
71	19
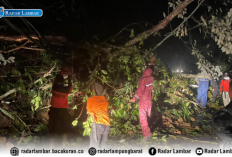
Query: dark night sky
105	18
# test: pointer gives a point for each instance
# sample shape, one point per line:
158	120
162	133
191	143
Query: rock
192	119
9	145
5	107
177	132
180	120
187	125
5	122
176	123
169	119
2	141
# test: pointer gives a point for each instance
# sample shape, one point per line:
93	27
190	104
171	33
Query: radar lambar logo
1	12
20	12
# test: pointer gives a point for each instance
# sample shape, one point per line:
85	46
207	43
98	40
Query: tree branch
161	25
46	87
23	38
172	33
106	83
40	73
21	47
9	92
46	74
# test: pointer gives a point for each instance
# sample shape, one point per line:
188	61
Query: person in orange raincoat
97	106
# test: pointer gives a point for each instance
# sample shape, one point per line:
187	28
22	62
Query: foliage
36	102
25	141
9	60
41	128
87	125
221	31
119	69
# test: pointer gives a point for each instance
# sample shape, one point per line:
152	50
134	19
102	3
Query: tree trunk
23	38
161	25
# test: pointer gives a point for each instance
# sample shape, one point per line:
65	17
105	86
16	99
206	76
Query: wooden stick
9	92
46	74
80	113
22	47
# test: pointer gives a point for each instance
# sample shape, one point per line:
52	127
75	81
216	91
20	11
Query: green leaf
120	112
31	93
122	105
16	72
154	138
117	102
135	112
74	123
75	107
70	97
132	33
31	70
205	121
138	69
166	100
113	113
104	72
7	113
154	134
29	75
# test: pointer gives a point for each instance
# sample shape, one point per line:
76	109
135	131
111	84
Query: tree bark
22	47
23	38
9	92
188	75
161	25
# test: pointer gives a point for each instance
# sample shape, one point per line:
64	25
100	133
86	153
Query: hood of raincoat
100	91
147	72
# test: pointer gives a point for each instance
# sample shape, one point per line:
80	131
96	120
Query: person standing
224	89
214	86
222	123
144	94
202	80
97	106
59	119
